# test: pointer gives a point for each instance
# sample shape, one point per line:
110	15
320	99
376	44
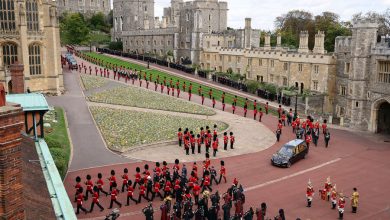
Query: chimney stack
279	41
248	32
164	22
303	42
267	41
319	43
17	78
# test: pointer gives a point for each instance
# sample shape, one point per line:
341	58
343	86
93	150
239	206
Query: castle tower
267	41
303	42
175	12
248	33
133	15
319	43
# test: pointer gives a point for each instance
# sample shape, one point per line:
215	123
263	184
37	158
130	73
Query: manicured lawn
123	129
92	82
142	98
57	139
205	89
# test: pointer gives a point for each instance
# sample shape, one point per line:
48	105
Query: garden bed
92	82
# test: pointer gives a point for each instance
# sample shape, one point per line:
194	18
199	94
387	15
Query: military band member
206	181
341	205
95	199
309	193
192	143
278	133
354	200
333	196
215	147
327	138
328	187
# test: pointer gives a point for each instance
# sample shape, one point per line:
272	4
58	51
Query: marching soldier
95	199
213	101
100	184
215	147
202	99
260	213
130	193
89	185
142	191
210	93
137	177
309	193
180	137
333	197
112	179
206	181
77	187
266	108
192	142
79	200
125	179
225	140
328	187
278	133
213	174
199	143
222	172
200	90
114	195
354	200
341	205
148	212
260	114
232	140
233	108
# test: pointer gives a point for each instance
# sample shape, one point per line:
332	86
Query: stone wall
86	7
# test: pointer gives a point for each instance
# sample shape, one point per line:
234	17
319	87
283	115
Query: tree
382	18
74	29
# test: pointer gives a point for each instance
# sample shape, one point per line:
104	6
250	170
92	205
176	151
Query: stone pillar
319	43
267	41
279	41
303	42
11	193
17	77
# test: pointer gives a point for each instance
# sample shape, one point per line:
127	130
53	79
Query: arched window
10	53
7	15
34	58
32	15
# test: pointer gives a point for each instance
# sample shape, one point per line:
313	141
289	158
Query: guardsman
280	112
280	126
187	145
309	194
130	193
180	137
210	93
196	191
184	86
90	70
324	126
142	191
225	140
167	188
254	113
260	213
327	138
235	100
222	172
213	174
328	187
245	107
223	104
147	84
233	108
155	85
89	185
137	179
114	196
206	181
202	99
125	179
308	139
278	133
354	200
156	190
333	196
283	117
77	187
112	179
294	126
192	143
178	89
95	199
162	87
232	140
79	201
165	81
341	205
168	90
266	108
100	184
213	101
199	143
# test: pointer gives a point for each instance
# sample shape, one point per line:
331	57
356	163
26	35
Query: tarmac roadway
353	159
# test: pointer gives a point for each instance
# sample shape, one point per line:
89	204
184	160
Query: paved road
89	149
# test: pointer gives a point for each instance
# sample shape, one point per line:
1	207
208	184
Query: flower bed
142	98
123	129
92	82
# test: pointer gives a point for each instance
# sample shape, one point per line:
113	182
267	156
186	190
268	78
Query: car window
286	151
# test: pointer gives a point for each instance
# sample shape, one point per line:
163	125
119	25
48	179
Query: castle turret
248	32
319	43
303	42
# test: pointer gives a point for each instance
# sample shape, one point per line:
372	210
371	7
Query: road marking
291	176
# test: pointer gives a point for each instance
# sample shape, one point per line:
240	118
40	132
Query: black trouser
341	215
225	146
220	178
86	193
278	137
215	152
231	145
98	204
101	190
80	207
148	191
158	193
112	202
123	186
111	187
207	148
308	203
215	180
199	148
354	209
196	199
180	141
144	196
213	105
131	197
193	148
187	151
326	143
135	184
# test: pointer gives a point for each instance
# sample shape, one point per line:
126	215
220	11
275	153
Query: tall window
32	15
34	58
315	85
384	72
10	53
285	66
7	15
300	67
343	90
272	63
316	69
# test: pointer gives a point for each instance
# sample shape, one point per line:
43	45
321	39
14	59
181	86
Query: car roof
294	143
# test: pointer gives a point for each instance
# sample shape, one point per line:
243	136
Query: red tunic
142	190
225	139
112	179
100	183
114	194
206	181
130	191
137	177
89	184
95	197
222	171
125	178
196	190
80	199
215	145
156	187
232	139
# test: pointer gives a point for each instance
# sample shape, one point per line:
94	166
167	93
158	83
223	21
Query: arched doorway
383	120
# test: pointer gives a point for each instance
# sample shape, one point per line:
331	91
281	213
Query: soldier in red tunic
187	145
130	193
328	187
142	191
156	190
162	87
215	147
324	127
222	172
114	196
235	100
95	199
202	99
79	201
233	108
137	177
190	92
200	90
125	179
308	139
232	140
77	187
341	205
213	101
309	193
100	184
199	143
254	113
206	181
112	179
210	93
89	185
260	114
196	191
225	140
266	108
192	142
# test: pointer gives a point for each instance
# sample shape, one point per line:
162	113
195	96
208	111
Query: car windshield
285	151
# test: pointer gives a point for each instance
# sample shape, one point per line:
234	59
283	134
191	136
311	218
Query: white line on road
291	176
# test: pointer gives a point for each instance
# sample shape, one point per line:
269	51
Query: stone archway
380	116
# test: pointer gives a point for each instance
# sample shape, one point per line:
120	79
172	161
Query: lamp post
296	103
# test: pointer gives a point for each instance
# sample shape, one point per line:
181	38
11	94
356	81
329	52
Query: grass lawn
92	82
57	139
123	129
142	98
205	89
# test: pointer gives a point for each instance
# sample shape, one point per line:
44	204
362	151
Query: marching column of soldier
194	142
336	198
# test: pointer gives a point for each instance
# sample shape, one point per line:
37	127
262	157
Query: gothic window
7	15
10	54
315	85
347	67
32	15
300	67
285	66
343	90
384	72
272	63
316	69
34	57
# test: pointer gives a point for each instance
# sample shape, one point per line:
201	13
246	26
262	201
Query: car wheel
288	165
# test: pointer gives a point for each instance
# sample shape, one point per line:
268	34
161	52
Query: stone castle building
30	36
363	78
86	7
180	31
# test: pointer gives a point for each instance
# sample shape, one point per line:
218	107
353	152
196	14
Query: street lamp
296	103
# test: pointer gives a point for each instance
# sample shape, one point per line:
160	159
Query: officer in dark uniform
249	214
327	138
213	176
226	211
148	212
